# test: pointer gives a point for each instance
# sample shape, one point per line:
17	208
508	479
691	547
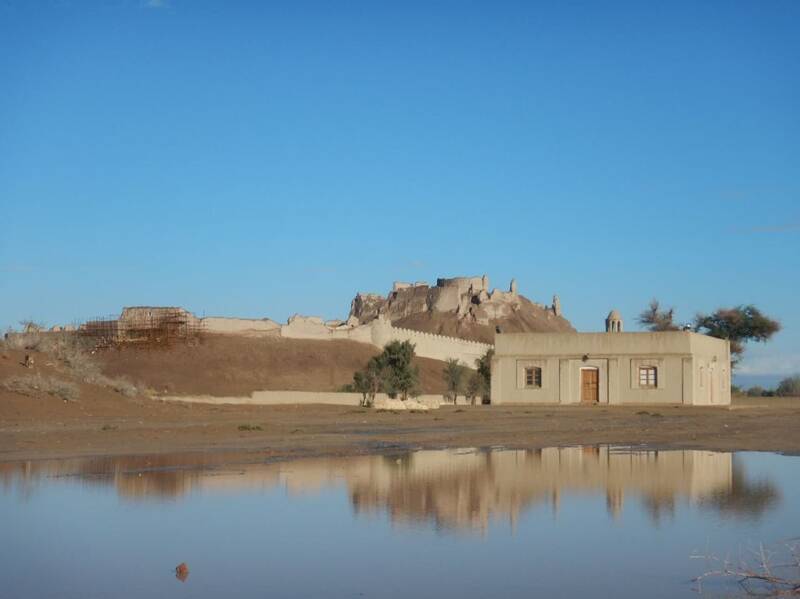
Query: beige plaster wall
270	398
692	369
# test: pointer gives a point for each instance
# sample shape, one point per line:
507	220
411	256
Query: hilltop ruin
456	318
463	307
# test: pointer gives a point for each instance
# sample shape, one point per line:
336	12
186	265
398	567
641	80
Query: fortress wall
312	328
240	326
430	345
380	331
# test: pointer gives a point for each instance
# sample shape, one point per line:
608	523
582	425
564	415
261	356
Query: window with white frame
648	377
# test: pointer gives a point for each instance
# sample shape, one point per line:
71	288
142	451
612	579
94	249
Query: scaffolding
147	326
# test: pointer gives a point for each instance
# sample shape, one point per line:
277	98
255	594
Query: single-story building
675	367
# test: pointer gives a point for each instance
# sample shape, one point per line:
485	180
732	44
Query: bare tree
759	572
656	319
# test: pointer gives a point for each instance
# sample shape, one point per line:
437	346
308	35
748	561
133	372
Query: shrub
755	391
789	387
35	384
484	367
249	427
453	375
392	372
73	351
120	385
473	387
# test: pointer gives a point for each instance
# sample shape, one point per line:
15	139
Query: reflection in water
745	499
451	489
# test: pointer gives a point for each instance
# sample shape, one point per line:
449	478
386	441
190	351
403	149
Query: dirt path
140	426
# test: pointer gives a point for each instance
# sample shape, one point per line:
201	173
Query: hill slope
460	307
228	365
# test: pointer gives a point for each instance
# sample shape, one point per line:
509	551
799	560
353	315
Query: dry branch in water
760	572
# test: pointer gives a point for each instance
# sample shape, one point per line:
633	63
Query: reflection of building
453	489
611	367
469	488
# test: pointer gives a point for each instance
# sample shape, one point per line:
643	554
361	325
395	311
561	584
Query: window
648	377
533	377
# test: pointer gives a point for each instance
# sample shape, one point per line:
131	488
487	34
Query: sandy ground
103	422
143	426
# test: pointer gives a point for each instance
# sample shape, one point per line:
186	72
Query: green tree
738	325
755	391
656	319
473	388
369	382
484	367
401	376
453	374
789	387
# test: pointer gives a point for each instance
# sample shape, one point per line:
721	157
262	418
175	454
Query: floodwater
560	522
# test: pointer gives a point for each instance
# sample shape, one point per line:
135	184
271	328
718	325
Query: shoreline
289	432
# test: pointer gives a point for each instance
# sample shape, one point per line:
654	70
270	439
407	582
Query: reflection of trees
745	498
659	507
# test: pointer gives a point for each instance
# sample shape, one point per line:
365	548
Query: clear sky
260	159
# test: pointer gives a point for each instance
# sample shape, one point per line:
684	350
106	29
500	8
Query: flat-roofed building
671	367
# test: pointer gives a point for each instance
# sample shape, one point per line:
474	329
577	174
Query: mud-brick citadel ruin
539	357
456	318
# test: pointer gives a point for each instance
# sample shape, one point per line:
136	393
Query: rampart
430	345
240	326
150	322
380	331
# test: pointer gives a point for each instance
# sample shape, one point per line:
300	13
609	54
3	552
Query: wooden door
590	385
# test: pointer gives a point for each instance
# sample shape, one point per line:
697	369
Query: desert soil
228	365
103	422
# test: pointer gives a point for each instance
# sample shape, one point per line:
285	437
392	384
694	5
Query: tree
484	366
656	319
473	388
369	382
789	387
755	391
453	374
738	325
401	376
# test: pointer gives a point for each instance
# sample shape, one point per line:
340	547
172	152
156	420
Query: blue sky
260	159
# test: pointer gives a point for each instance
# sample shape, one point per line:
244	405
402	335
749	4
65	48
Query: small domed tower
614	322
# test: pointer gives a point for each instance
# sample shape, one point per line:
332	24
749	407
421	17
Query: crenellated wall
380	331
429	345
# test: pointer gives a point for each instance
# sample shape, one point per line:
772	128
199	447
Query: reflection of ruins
451	489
